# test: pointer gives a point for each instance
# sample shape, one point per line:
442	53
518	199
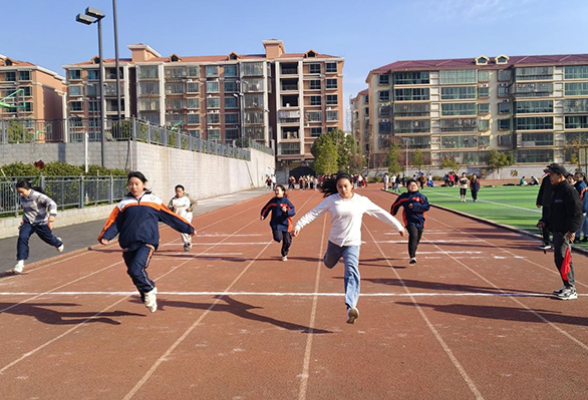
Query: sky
367	33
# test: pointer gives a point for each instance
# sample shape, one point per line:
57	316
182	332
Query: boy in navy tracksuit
135	219
415	205
281	221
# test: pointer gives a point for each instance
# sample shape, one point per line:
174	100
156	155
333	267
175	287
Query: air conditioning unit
484	85
506	101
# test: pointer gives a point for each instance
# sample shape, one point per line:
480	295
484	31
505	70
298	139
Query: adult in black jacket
543	200
564	219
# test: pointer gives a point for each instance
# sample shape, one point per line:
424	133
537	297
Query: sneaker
352	315
151	300
568	294
285	258
187	247
60	248
19	267
560	291
412	260
545	247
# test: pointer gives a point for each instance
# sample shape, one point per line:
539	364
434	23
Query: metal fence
66	191
18	131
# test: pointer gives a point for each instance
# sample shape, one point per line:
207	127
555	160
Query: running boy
281	221
39	212
347	209
415	205
183	205
136	220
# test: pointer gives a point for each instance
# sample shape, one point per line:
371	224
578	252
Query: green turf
509	205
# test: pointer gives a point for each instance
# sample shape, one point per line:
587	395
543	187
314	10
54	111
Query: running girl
183	205
136	220
281	221
347	209
415	205
39	211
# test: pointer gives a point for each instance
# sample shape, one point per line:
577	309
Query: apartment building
279	99
534	106
360	120
36	93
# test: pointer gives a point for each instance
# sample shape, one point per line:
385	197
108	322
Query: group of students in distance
136	217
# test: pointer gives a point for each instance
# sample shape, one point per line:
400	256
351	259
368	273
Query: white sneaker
560	291
19	267
545	247
187	246
60	248
352	315
151	300
284	258
568	294
413	260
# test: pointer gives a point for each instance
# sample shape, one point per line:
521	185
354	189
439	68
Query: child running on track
136	220
39	212
347	209
415	205
281	221
183	205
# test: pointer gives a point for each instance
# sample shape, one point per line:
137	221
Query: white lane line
228	234
434	241
223	244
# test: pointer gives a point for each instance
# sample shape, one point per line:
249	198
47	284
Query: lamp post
406	142
118	100
93	15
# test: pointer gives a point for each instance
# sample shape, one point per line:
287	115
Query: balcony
289	117
290	87
290	148
289	71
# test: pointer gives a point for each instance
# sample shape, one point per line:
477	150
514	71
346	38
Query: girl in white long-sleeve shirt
347	209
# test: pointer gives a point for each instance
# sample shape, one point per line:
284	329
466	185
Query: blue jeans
350	256
583	228
25	232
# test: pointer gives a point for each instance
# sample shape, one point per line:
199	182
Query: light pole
93	15
117	65
406	142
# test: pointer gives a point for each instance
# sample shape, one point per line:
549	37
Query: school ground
474	319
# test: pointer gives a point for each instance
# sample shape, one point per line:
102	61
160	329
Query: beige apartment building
38	96
534	106
279	99
360	120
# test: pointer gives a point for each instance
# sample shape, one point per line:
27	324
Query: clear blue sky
368	33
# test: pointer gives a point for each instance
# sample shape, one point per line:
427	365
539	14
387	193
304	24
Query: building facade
360	121
533	106
279	99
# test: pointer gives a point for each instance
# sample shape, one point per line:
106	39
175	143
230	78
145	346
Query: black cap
556	168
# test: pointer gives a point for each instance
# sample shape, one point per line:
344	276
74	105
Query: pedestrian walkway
81	236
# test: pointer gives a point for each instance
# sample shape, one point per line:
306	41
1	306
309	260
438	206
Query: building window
575	105
534	123
230	71
411	78
314	68
459	125
254	117
75	90
175	72
194	119
331	67
534	156
577	89
458	76
484	124
331	83
193	71
505	140
252	69
458	92
93	74
230	86
537	139
459	142
231	134
503	91
384	95
384	79
253	85
24	75
253	101
412	110
577	122
211	71
503	108
332	99
576	72
214	135
332	115
193	103
26	90
483	76
73	74
212	87
213	118
384	127
174	104
213	102
532	89
148	88
458	109
144	104
411	94
412	126
316	132
192	87
533	73
174	88
232	118
194	132
315	100
231	102
315	85
314	116
94	106
484	92
148	72
75	106
534	107
504	75
504	124
484	108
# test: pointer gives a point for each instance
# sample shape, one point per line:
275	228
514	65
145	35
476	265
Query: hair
138	175
24	184
180	187
330	185
408	182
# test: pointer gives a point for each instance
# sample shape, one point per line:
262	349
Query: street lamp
116	60
406	142
93	15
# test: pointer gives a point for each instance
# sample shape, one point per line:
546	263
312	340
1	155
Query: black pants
137	262
561	247
414	237
475	195
544	230
285	238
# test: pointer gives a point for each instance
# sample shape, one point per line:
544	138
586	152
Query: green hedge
58	169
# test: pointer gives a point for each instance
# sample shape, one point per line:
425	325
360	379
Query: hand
261	218
193	233
411	206
403	232
52	219
284	209
571	236
104	242
540	224
538	205
296	232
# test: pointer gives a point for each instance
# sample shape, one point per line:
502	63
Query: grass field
508	205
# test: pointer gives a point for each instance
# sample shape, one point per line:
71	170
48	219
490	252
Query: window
144	104
412	110
231	102
484	124
484	108
503	91
534	123
503	108
213	102
384	95
316	132
315	100
532	107
174	88
332	115
577	89
148	88
75	106
411	94
232	118
385	127
504	124
212	87
534	156
252	69
254	117
484	92
411	78
315	85
577	122
331	67
459	142
230	70
332	100
458	109
576	72
331	83
505	140
314	68
91	90
314	116
213	118
384	111
384	79
459	125
193	103
73	74
214	135
458	92
211	71
412	126
194	119
230	86
231	134
194	132
504	75
537	139
24	75
458	76
483	76
575	105
175	72
174	104
253	101
532	89
75	90
94	106
26	90
93	74
192	87
148	71
193	71
253	85
533	73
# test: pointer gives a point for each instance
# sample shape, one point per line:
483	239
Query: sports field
508	205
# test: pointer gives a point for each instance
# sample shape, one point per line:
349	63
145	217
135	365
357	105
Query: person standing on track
463	187
582	189
281	221
347	209
564	219
39	211
415	205
183	205
136	220
543	201
474	187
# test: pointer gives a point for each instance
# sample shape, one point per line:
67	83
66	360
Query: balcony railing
286	88
289	71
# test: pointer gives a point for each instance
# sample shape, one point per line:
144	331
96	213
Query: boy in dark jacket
281	221
564	219
414	204
543	200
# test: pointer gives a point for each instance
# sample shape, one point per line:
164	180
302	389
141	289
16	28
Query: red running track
472	320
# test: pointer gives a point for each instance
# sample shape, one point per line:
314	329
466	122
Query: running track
470	321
